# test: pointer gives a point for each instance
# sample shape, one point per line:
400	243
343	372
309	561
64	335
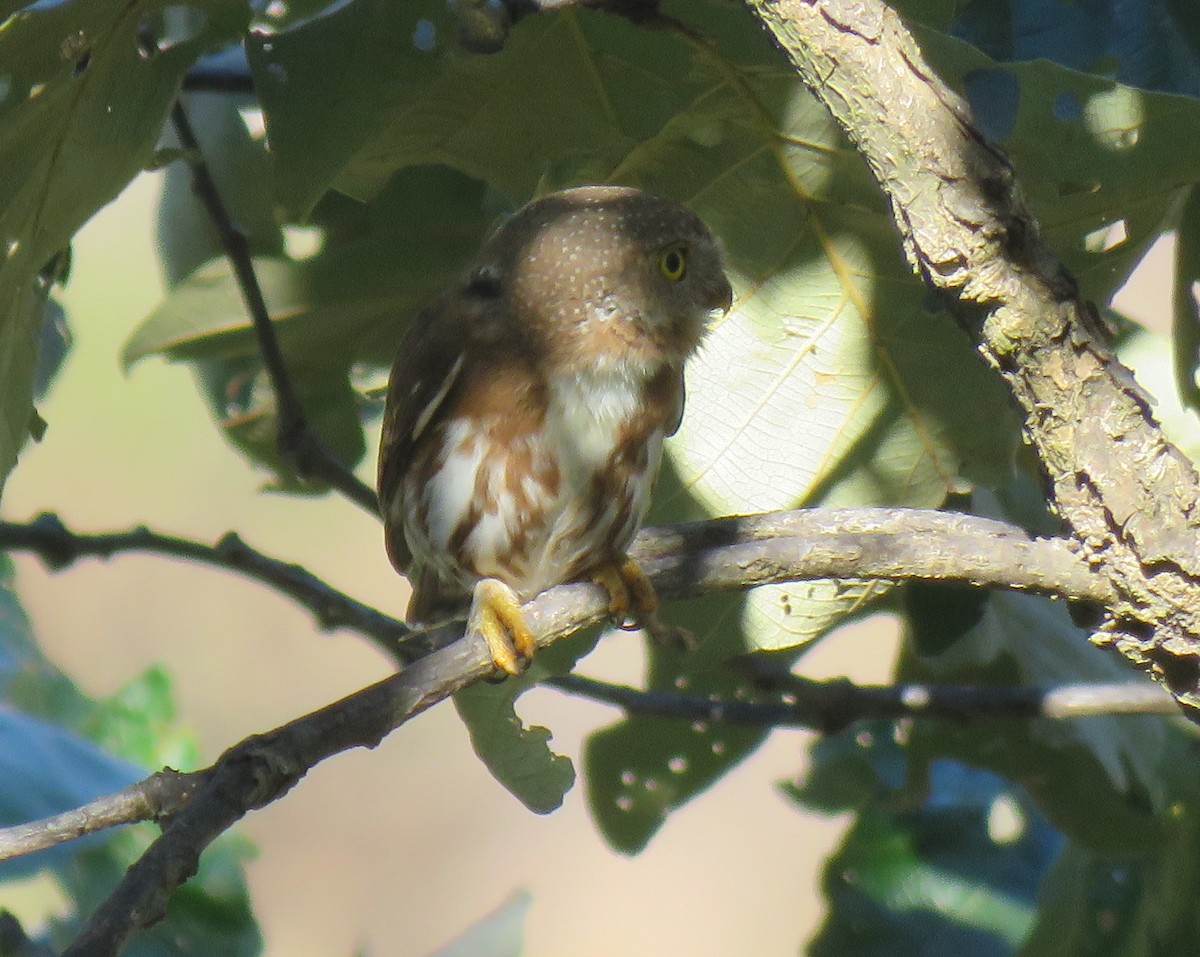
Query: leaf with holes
1103	165
643	768
519	757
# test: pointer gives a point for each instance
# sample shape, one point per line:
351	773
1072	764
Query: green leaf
384	86
59	748
1103	165
519	757
82	107
1133	903
139	722
241	167
949	868
1105	784
241	397
938	14
499	934
336	311
851	769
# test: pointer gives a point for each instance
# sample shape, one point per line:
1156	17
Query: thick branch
851	543
682	560
1128	496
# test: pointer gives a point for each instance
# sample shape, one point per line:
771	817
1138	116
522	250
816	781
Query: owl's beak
720	296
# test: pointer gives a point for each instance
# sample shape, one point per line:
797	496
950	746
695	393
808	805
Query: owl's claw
631	597
496	615
633	604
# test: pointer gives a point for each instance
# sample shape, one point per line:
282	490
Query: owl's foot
496	615
631	597
633	604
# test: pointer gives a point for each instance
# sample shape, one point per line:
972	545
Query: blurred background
396	850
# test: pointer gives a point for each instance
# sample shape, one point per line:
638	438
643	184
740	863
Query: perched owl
527	408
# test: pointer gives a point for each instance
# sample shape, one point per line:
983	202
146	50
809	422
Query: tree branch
157	797
1129	498
299	443
57	546
681	560
823	706
898	544
830	706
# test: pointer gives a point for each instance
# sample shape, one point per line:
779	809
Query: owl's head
609	269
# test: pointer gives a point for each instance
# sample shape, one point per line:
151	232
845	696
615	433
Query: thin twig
299	443
151	799
206	77
57	546
829	706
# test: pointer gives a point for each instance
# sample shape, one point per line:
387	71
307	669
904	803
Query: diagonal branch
823	706
681	560
1129	498
299	443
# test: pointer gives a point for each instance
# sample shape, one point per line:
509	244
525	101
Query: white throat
590	409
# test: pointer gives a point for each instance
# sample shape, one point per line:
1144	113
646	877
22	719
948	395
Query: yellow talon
633	604
496	615
631	598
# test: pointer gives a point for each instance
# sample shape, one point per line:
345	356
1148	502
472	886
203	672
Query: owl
527	408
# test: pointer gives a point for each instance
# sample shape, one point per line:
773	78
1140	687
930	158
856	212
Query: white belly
490	511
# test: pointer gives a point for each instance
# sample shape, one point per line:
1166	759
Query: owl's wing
427	366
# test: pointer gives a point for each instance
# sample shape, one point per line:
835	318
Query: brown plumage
527	407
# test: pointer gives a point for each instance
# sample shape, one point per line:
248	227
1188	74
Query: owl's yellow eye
673	263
